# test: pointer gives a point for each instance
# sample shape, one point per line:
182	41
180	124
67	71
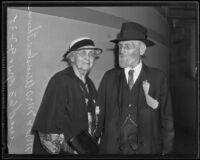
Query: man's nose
122	51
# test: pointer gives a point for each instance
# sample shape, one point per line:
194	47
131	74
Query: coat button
129	105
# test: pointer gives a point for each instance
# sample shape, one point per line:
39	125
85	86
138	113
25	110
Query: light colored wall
158	29
147	16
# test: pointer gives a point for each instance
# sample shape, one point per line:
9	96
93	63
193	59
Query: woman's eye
91	52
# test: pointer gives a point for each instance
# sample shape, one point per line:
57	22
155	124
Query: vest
128	117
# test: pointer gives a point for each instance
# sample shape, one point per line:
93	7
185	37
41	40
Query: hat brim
98	51
148	42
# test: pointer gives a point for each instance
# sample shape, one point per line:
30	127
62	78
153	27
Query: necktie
130	79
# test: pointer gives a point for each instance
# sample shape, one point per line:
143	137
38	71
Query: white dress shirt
137	71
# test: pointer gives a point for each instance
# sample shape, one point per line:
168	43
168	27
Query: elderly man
68	105
134	100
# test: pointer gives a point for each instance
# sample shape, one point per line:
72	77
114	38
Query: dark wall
183	75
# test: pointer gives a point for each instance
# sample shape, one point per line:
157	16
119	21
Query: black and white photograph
100	79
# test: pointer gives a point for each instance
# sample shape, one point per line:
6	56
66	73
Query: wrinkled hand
75	152
68	149
53	148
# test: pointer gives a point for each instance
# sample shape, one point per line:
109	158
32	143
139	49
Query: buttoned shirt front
137	71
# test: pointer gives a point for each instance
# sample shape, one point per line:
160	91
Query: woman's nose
87	55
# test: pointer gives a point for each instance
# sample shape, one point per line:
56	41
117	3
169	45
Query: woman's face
84	59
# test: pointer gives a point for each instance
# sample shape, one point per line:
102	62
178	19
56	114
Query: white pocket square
153	103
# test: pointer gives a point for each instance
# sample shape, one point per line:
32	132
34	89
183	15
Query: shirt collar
137	70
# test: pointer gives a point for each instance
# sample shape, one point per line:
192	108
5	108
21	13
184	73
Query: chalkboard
35	45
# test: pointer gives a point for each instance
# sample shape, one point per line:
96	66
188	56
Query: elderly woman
68	105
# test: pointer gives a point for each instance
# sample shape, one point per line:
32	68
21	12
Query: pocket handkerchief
153	103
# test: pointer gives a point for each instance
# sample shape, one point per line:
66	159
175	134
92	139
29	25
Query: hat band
85	42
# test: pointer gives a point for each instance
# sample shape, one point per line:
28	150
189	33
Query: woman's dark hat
82	43
133	31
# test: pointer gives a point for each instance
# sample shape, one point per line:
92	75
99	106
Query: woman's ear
72	57
142	49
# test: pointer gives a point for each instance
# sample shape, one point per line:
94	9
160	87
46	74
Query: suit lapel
120	76
142	77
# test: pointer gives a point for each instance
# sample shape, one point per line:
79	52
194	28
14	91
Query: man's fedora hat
82	43
133	31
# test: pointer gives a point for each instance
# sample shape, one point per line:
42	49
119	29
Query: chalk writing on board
32	33
13	104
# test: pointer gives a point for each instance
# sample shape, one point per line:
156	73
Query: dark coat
63	108
156	129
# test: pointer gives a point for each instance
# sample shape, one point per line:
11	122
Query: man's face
84	59
129	53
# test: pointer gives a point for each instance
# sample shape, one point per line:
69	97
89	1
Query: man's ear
142	49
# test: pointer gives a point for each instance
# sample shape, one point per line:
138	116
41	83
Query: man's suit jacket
156	129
